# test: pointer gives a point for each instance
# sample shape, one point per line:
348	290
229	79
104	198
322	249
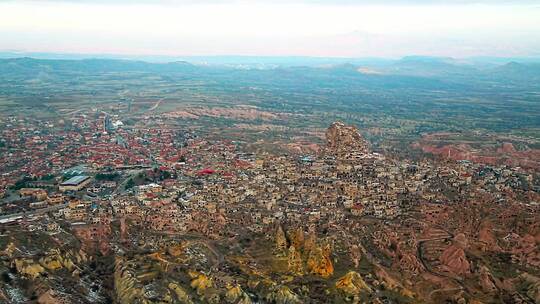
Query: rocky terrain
486	150
342	139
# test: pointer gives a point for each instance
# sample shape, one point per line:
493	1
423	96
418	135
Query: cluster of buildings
34	150
218	190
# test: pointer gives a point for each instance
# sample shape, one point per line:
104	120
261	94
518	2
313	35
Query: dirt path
156	105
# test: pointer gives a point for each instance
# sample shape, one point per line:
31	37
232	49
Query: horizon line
90	54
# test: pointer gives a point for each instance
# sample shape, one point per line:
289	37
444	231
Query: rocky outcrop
281	240
29	268
453	258
126	285
204	285
410	263
319	262
56	260
51	297
235	294
136	281
201	282
342	139
180	293
487	282
533	286
294	261
355	254
391	283
282	295
487	237
10	250
51	261
352	284
297	237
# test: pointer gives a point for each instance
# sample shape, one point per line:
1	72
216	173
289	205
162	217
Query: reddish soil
505	154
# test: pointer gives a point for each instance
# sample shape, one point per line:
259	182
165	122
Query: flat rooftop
74	181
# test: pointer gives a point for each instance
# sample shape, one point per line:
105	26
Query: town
102	182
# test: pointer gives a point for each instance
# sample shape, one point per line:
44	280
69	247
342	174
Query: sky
343	28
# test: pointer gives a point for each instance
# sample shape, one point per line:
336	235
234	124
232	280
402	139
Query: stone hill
342	139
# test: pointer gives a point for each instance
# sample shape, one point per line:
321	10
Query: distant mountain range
61	66
266	62
448	70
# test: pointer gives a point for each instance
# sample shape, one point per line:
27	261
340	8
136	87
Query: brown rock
281	239
343	139
352	284
319	262
410	263
294	261
50	297
485	235
454	260
486	280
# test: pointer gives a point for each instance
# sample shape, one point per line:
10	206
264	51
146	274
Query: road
131	174
34	212
156	105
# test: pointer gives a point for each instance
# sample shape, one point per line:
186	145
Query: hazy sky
384	28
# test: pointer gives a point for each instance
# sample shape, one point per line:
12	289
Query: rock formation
181	294
294	261
282	295
410	263
486	280
352	284
29	268
281	240
487	238
533	286
126	285
297	237
235	294
356	255
342	139
453	258
201	282
319	262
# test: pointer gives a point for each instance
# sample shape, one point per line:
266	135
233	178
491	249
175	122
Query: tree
130	184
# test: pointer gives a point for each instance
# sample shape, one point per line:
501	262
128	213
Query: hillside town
101	182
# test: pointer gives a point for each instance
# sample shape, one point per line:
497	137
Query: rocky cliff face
532	284
342	139
45	272
304	255
235	294
281	240
94	237
282	295
352	284
319	262
453	258
50	262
